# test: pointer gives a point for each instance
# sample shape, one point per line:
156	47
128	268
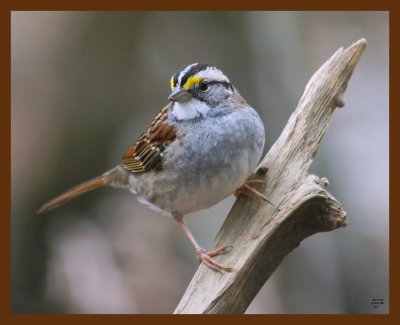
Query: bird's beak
179	95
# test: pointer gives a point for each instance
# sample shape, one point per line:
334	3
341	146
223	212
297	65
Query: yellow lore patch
172	83
192	81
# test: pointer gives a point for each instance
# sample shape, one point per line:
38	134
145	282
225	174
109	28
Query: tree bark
262	234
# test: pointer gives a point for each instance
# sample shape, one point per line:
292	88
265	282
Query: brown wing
147	153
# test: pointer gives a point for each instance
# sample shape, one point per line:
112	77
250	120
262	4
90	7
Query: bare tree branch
262	234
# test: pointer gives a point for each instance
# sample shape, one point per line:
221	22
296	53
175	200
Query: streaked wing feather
146	154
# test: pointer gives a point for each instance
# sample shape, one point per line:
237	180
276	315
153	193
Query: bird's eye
203	86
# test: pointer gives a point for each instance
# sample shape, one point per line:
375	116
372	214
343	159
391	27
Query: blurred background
86	84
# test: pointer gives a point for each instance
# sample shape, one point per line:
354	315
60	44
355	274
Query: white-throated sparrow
198	150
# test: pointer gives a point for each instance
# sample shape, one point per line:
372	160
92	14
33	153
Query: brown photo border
7	6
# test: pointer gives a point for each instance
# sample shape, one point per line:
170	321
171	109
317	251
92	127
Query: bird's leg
249	191
202	254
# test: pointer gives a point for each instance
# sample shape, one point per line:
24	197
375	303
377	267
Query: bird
198	150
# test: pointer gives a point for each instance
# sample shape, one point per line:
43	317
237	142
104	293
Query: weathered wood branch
262	234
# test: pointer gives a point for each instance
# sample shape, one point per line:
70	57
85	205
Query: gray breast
214	156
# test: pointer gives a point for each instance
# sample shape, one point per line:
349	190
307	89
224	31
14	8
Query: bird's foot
248	190
206	257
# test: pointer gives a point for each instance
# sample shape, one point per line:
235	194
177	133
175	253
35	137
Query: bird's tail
114	177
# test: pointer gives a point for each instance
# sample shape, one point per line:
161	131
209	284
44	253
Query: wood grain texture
262	234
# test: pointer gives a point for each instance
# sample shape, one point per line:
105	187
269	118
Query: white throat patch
189	110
